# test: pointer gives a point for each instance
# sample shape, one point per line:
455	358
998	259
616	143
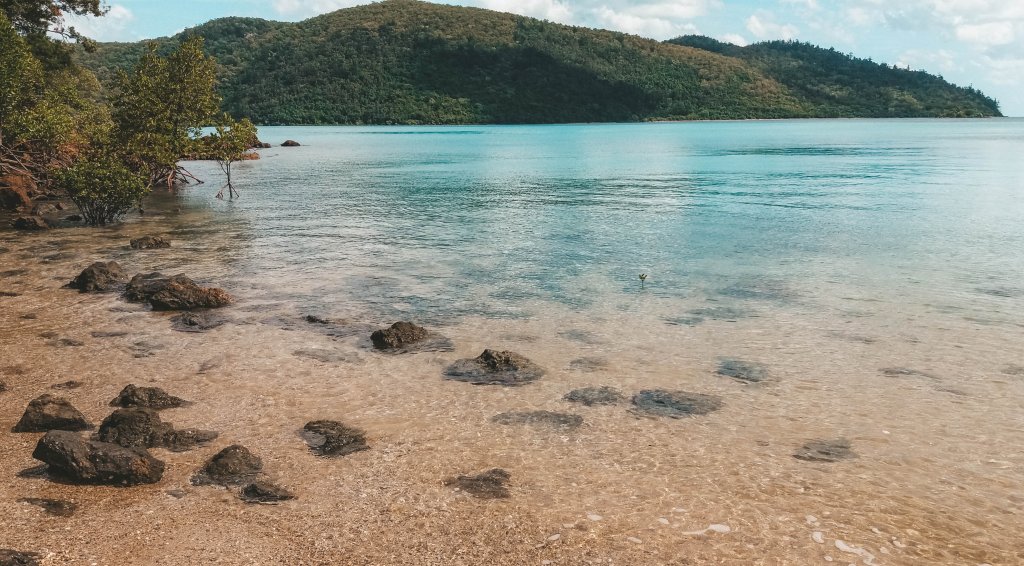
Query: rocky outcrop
30	223
15	192
234	465
177	292
148	397
90	462
674	404
149	243
290	143
399	335
49	412
491	484
590	396
494	367
99	277
264	492
331	438
140	427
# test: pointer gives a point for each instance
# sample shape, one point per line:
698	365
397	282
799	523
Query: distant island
411	62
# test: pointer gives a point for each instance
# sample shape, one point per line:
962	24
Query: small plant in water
643	277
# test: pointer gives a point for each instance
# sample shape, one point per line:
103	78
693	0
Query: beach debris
99	277
177	292
137	426
264	492
491	484
149	243
564	421
745	372
825	451
332	438
48	412
494	367
148	397
68	455
234	465
591	396
674	404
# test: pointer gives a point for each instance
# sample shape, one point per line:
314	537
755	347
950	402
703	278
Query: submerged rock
10	557
177	292
264	492
197	321
825	451
234	465
494	367
30	223
746	372
138	426
99	277
588	364
81	461
491	484
674	404
399	335
48	412
67	385
149	243
543	418
55	507
148	397
1013	370
332	438
591	396
906	372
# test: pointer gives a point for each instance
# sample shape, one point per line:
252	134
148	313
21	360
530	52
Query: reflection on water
873	268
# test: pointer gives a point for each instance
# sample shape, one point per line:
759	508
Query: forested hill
409	62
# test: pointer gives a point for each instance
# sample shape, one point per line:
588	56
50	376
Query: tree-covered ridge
411	62
842	85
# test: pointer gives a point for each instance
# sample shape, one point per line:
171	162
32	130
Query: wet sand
936	479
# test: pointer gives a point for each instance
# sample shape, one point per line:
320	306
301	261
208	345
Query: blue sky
970	42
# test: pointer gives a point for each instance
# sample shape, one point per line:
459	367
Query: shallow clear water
826	251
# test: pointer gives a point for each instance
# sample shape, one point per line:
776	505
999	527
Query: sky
969	42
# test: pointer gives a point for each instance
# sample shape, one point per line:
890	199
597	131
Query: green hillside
410	62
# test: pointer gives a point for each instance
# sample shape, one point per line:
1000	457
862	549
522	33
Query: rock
825	451
67	385
9	294
674	404
739	370
174	293
264	492
143	427
73	218
10	557
15	191
99	277
400	335
91	462
495	368
48	412
234	465
55	507
487	485
32	223
591	396
196	322
543	418
290	143
44	208
3	386
588	364
149	243
148	397
314	319
331	438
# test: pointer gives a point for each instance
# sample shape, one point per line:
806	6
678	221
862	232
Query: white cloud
114	26
735	39
989	33
301	8
763	26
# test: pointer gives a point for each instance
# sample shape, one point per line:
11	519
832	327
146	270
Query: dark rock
591	396
136	426
145	349
149	243
49	334
825	451
331	438
13	272
66	343
148	397
67	385
82	461
400	334
542	418
290	143
31	223
56	507
487	485
180	440
9	294
3	386
740	370
99	277
234	465
174	293
314	319
588	364
196	322
73	218
674	404
10	557
264	492
48	412
495	368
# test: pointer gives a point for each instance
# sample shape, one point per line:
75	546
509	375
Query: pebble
818	537
634	540
812	520
663	521
594	517
554	537
719	528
